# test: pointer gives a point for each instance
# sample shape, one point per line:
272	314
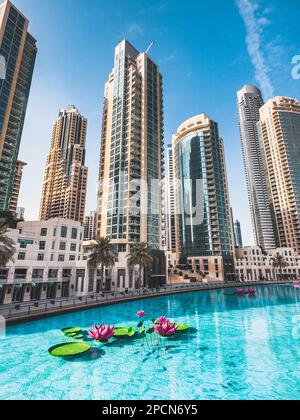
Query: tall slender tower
238	234
279	129
65	182
170	202
132	152
249	102
17	53
203	216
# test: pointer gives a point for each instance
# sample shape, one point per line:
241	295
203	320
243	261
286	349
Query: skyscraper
249	102
65	181
170	202
19	50
203	218
90	226
132	151
238	234
279	129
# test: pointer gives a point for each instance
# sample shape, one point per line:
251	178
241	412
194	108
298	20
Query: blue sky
206	52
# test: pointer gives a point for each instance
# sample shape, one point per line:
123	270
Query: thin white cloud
135	29
255	22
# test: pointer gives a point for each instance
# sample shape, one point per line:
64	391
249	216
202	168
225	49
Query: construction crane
150	47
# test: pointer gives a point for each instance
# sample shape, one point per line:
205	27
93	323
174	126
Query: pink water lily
165	329
102	333
241	291
161	320
141	314
252	291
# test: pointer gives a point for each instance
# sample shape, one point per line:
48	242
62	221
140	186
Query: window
52	273
64	232
54	232
24	242
72	258
61	258
42	246
40	257
44	232
73	247
74	233
21	256
37	273
62	246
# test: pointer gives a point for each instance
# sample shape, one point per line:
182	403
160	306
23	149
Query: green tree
279	263
7	245
9	219
140	255
101	254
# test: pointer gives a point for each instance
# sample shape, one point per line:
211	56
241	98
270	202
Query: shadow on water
92	355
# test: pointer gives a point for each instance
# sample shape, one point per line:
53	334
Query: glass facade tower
249	103
18	48
201	184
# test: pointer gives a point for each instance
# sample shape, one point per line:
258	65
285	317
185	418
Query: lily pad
182	328
69	349
71	330
78	337
121	332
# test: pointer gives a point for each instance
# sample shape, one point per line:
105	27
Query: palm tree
7	245
101	254
280	263
140	255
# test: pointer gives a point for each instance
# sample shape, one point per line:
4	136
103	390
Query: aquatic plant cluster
243	292
103	334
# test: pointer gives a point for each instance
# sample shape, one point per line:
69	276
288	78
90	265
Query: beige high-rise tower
279	130
65	182
132	152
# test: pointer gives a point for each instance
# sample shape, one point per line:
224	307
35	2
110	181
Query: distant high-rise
19	50
90	226
203	218
132	152
238	234
170	202
249	103
279	129
65	182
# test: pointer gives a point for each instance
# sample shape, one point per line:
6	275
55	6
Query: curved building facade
203	221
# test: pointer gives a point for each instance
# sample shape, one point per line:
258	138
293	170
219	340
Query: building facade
19	50
279	130
65	181
17	185
51	263
253	264
48	255
249	103
90	226
203	216
132	152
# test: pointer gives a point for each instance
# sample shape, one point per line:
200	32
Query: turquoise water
244	348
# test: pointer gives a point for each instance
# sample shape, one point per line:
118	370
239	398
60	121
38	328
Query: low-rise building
51	263
254	264
45	263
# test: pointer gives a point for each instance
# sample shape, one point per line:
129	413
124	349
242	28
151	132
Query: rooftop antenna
150	47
